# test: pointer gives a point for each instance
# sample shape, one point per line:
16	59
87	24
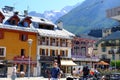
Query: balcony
112	52
85	58
110	44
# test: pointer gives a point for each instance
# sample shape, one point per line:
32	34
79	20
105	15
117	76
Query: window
22	52
53	40
103	49
26	24
104	56
2	51
63	40
43	51
21	67
63	53
24	37
43	39
53	52
113	56
13	22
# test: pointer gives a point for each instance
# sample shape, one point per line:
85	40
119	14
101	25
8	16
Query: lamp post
115	51
30	44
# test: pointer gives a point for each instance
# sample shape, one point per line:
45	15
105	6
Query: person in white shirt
14	75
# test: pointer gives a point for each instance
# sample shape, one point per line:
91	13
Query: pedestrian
79	72
85	72
74	72
55	72
14	75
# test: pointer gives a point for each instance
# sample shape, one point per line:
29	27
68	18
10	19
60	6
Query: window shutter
1	35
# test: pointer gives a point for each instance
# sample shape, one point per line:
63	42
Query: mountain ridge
89	15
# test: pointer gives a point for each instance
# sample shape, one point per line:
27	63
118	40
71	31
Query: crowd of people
85	72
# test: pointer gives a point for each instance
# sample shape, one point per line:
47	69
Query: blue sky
38	5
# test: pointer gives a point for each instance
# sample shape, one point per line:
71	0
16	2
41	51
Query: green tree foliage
117	63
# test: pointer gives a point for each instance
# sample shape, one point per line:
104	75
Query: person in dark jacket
55	72
85	72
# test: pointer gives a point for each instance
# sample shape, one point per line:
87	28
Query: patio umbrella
102	63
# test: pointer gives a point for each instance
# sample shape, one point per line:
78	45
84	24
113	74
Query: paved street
31	78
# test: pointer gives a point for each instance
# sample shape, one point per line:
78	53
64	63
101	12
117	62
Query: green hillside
90	14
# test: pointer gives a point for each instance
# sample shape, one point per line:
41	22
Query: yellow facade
11	41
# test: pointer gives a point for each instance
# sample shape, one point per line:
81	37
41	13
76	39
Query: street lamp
115	51
30	44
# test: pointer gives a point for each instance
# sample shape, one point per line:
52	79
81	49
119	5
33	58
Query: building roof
56	33
36	21
113	36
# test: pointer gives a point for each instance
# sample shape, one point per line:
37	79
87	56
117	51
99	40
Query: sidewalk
31	78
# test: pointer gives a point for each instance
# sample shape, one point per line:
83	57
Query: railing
85	58
110	44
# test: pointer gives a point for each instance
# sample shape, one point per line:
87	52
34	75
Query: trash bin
69	78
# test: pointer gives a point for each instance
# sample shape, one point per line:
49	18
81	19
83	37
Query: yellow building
108	47
14	47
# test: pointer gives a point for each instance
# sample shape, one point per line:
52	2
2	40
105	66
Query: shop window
21	67
2	51
22	52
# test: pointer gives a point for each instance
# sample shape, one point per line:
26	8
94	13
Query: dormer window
1	17
13	22
46	26
26	24
14	19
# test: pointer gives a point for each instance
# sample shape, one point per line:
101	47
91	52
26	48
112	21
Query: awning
67	63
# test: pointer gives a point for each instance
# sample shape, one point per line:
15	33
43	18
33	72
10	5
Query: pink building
83	51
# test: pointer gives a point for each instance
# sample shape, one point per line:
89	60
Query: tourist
14	75
55	72
85	72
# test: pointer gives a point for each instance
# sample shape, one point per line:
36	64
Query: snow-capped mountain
53	15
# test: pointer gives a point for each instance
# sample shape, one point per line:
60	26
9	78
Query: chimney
16	13
25	12
60	25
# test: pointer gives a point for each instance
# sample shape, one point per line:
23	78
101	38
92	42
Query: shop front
46	63
66	67
23	65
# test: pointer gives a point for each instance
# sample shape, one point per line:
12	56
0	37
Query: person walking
85	72
14	75
55	72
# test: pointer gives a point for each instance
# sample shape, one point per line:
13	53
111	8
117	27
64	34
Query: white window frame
4	54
